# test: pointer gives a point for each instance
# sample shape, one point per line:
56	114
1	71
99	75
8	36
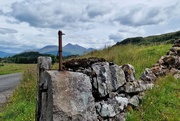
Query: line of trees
27	58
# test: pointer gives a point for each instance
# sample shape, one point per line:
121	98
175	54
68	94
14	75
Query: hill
163	38
28	57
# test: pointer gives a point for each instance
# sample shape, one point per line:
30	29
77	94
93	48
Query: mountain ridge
69	49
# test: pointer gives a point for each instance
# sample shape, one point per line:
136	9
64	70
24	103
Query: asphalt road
9	81
7	84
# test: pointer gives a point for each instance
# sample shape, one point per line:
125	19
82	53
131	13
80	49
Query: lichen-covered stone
134	101
129	72
105	110
148	75
108	78
72	97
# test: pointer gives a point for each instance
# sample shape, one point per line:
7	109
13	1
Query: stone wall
96	90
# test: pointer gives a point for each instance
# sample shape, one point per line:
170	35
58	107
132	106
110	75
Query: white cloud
95	23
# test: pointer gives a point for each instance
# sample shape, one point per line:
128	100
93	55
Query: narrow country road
9	81
7	84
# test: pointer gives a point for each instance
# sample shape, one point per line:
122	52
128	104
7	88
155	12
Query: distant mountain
75	49
4	54
68	50
49	48
163	38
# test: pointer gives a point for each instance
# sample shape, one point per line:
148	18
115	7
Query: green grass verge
162	103
23	101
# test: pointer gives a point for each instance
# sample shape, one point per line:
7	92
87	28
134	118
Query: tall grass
140	57
162	103
23	101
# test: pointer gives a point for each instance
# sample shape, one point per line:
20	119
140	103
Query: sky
32	24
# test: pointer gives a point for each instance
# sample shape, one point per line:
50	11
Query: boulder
176	43
123	102
102	82
175	51
148	75
159	70
117	77
105	110
72	97
137	87
108	78
129	72
169	61
134	101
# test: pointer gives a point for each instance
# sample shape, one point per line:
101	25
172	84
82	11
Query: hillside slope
163	38
140	57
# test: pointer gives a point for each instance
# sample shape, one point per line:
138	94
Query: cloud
47	15
7	31
95	10
93	23
143	14
116	37
1	12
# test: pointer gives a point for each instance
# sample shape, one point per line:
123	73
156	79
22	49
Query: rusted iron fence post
60	50
44	63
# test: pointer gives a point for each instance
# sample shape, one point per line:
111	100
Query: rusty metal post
60	50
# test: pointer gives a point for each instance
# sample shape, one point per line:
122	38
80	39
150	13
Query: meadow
162	103
8	68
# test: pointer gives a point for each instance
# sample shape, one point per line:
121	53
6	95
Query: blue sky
30	24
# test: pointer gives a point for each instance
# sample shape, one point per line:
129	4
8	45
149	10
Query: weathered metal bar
60	50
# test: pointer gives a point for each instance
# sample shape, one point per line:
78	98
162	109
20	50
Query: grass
140	57
23	101
162	103
7	68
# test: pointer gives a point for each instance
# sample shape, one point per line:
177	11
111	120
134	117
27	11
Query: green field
7	68
160	104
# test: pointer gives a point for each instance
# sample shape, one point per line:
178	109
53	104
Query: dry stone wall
114	88
96	90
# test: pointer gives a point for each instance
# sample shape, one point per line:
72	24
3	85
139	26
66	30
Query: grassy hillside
156	39
140	57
